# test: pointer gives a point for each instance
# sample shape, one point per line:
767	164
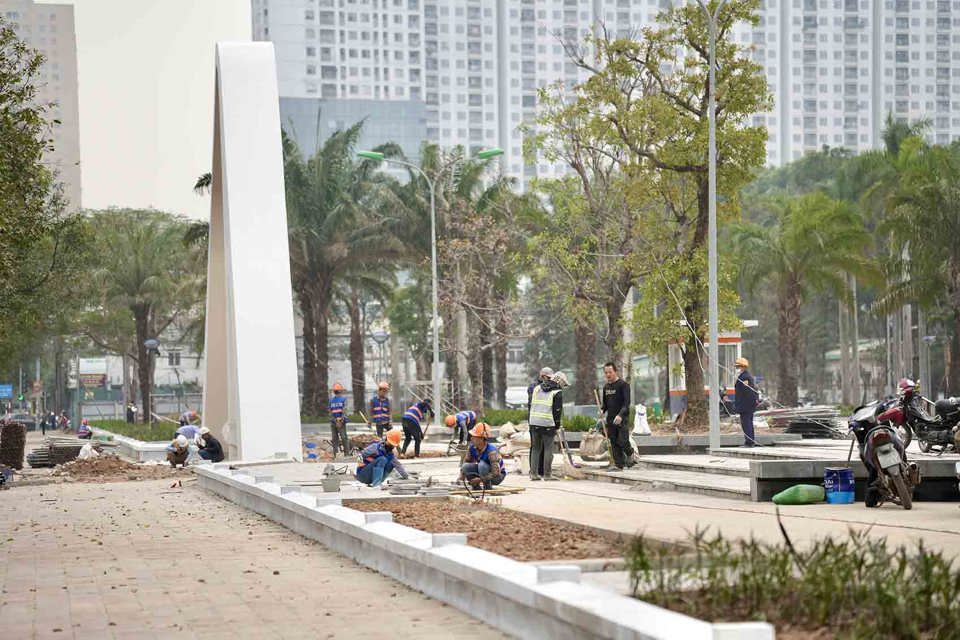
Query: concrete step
718	465
734	487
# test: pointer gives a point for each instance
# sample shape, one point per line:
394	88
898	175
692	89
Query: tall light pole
714	355
431	183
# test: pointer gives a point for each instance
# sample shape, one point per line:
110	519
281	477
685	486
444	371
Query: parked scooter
891	477
933	432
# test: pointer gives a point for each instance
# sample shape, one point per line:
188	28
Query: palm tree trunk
855	342
788	334
144	361
844	352
585	340
310	392
357	373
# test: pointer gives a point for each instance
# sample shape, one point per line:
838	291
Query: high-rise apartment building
836	68
49	28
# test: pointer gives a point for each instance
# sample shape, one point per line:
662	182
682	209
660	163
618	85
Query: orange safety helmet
481	430
450	421
393	437
337	387
384	385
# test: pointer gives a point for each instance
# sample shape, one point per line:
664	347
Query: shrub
144	432
579	423
497	417
857	586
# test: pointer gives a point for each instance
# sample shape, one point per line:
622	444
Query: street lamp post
432	183
714	354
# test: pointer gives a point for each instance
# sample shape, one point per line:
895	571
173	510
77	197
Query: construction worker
377	460
177	451
338	421
188	416
615	407
745	399
463	422
83	431
546	412
412	430
187	430
209	447
483	464
380	409
545	374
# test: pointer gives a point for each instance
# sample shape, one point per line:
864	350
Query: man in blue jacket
377	460
746	399
338	421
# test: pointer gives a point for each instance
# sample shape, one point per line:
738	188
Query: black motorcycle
935	432
891	476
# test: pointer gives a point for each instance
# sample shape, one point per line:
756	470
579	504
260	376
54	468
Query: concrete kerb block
262	478
377	516
558	573
743	631
447	539
289	489
221	466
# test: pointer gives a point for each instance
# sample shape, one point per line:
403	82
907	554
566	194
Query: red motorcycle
891	477
933	432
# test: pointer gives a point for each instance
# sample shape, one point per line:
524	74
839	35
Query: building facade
49	28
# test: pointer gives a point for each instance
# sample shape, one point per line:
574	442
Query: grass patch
144	432
855	587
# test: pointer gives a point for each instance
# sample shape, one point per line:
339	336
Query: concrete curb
136	450
519	599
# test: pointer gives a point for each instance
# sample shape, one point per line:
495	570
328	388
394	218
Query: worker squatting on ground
178	450
412	430
377	460
338	421
615	407
462	422
546	412
483	464
380	409
209	447
83	431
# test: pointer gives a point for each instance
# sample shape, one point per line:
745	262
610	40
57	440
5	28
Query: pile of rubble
111	468
57	450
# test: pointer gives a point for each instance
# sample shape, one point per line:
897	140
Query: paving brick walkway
141	560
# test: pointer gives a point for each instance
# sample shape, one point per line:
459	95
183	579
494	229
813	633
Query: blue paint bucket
839	484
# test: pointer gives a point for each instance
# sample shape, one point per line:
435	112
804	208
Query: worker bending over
413	419
178	450
483	464
377	460
462	422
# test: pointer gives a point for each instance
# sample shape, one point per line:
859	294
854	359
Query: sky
146	72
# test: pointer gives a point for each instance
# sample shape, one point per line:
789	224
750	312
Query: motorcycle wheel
924	446
906	434
905	495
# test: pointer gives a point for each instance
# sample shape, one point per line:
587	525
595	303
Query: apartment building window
311	69
173	358
311	52
902	56
328	91
308	15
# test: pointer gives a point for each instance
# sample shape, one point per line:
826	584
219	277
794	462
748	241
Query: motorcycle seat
947	406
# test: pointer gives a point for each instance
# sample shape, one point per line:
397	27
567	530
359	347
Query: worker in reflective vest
546	412
380	409
463	422
483	464
378	460
412	430
338	421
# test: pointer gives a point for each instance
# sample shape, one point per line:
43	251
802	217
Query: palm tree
142	278
802	246
342	215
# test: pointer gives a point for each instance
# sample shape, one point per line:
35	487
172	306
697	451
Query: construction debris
109	468
13	440
819	421
57	450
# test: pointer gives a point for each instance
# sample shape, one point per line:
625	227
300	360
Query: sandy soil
113	469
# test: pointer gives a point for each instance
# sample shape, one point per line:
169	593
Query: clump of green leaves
858	586
143	432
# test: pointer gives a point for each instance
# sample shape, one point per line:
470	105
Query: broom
571	468
606	436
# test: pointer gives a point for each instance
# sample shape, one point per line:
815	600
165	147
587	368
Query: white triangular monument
250	398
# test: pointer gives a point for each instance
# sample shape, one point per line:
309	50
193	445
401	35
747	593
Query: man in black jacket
616	409
745	400
210	447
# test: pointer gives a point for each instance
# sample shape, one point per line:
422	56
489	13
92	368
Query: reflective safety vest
484	456
380	409
414	413
541	407
467	418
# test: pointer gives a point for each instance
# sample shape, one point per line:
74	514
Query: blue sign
6	390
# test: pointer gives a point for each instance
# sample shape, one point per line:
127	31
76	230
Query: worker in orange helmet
378	460
380	409
338	421
463	422
483	464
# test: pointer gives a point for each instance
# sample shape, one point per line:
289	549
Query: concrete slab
735	487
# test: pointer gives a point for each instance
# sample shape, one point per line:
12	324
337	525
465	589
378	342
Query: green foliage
154	432
858	586
579	423
497	417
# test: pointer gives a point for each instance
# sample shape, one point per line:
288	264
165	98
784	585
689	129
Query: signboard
90	380
6	391
93	365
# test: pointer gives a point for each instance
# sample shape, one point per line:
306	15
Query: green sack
800	494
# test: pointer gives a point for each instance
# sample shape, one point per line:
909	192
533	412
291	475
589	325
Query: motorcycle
892	477
936	432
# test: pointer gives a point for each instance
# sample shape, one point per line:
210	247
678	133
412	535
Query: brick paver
141	560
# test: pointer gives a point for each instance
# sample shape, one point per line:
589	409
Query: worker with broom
483	464
377	460
615	407
546	413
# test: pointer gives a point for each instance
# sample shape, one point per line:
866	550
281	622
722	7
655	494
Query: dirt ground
510	533
113	469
